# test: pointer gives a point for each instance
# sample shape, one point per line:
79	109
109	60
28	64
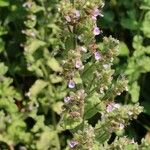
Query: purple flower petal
109	108
97	55
71	84
78	64
72	144
67	99
96	31
94	18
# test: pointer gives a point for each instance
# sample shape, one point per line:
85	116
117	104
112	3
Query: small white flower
83	49
106	66
121	126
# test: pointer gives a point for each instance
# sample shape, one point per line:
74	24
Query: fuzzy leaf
34	45
37	87
54	65
92	106
146	24
134	91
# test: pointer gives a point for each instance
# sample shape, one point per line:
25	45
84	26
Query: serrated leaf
55	79
46	139
70	123
134	90
57	107
87	75
102	134
146	25
34	45
137	42
92	106
54	65
37	87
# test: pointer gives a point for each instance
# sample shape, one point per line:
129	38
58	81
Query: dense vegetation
74	74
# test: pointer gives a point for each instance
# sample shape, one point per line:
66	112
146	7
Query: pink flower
68	18
96	30
96	13
71	84
77	13
109	108
112	106
97	55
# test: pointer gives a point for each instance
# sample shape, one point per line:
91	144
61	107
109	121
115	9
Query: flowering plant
71	86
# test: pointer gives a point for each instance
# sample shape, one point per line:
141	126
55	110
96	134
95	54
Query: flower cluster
87	69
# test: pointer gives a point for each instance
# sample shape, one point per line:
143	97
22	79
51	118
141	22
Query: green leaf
92	106
70	123
1	45
137	42
146	24
37	87
134	90
123	49
54	65
57	107
34	45
77	79
87	75
146	105
3	68
129	23
55	79
69	43
4	3
107	20
46	139
102	132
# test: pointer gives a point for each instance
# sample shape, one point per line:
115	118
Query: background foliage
31	84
